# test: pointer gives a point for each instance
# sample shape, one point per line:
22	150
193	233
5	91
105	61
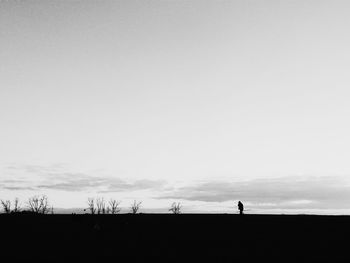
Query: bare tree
175	208
114	206
6	205
101	206
34	204
135	207
45	208
91	205
17	207
39	205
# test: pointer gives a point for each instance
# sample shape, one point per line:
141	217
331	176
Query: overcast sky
202	102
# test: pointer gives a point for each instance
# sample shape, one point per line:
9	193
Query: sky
201	102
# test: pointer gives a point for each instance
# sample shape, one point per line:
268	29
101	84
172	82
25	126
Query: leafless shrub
135	207
6	205
91	205
17	207
114	206
175	208
101	206
39	205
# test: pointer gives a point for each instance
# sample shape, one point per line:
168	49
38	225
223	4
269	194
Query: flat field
175	238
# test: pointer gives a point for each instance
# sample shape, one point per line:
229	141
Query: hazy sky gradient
175	92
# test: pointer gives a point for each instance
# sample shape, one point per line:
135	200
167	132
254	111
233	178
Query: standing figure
240	207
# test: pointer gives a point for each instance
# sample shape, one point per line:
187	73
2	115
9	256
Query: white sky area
167	101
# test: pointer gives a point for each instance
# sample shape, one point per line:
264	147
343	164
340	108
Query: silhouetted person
240	207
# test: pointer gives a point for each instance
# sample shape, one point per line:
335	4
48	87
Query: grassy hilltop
175	238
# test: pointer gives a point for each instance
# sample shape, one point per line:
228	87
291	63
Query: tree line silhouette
41	205
35	204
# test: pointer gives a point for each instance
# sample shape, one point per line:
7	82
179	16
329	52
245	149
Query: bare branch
17	207
39	205
175	208
135	207
6	205
91	205
101	206
114	206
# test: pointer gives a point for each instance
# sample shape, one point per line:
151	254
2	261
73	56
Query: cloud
17	188
57	178
119	185
101	184
318	192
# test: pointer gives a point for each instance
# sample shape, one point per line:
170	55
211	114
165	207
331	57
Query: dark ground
175	238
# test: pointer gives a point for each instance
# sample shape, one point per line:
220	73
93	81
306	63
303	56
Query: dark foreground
175	238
